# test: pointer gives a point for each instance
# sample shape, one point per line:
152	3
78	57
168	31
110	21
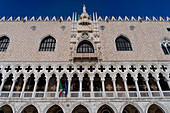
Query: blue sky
103	7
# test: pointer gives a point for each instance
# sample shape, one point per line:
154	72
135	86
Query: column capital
69	79
146	79
157	79
103	79
91	78
124	79
135	79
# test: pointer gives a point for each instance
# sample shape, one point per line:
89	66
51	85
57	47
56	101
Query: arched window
85	47
4	42
47	44
123	44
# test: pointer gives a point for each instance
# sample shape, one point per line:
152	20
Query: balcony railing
87	94
85	55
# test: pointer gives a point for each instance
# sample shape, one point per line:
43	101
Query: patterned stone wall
26	37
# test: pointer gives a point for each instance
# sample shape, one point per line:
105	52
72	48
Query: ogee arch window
48	44
123	44
85	47
4	42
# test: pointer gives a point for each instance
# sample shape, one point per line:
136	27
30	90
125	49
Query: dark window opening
85	47
123	44
168	29
4	42
47	44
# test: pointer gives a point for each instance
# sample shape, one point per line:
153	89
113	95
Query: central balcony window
85	47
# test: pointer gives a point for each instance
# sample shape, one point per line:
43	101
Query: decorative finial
84	9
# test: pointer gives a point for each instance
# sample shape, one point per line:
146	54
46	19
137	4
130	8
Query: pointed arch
105	109
119	83
123	43
48	44
52	84
55	109
130	83
97	83
130	109
141	83
54	104
86	83
8	83
75	83
152	83
108	83
6	109
30	83
154	108
30	108
19	83
41	83
79	109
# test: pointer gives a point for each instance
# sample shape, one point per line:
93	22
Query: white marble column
91	84
114	86
23	88
149	90
12	87
35	87
58	83
159	87
168	82
80	87
69	84
137	87
46	87
103	88
2	84
126	88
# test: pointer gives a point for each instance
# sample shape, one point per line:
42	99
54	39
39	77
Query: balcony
87	94
79	56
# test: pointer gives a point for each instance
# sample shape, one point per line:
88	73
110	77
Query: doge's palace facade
85	64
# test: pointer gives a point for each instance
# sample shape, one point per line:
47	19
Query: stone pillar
159	87
58	83
168	81
80	87
12	87
103	88
114	86
2	84
69	84
23	88
46	87
149	90
137	87
35	87
126	88
91	84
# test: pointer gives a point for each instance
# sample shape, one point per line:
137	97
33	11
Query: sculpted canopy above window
85	47
4	42
123	44
48	44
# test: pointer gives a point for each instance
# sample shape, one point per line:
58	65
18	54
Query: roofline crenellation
75	18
